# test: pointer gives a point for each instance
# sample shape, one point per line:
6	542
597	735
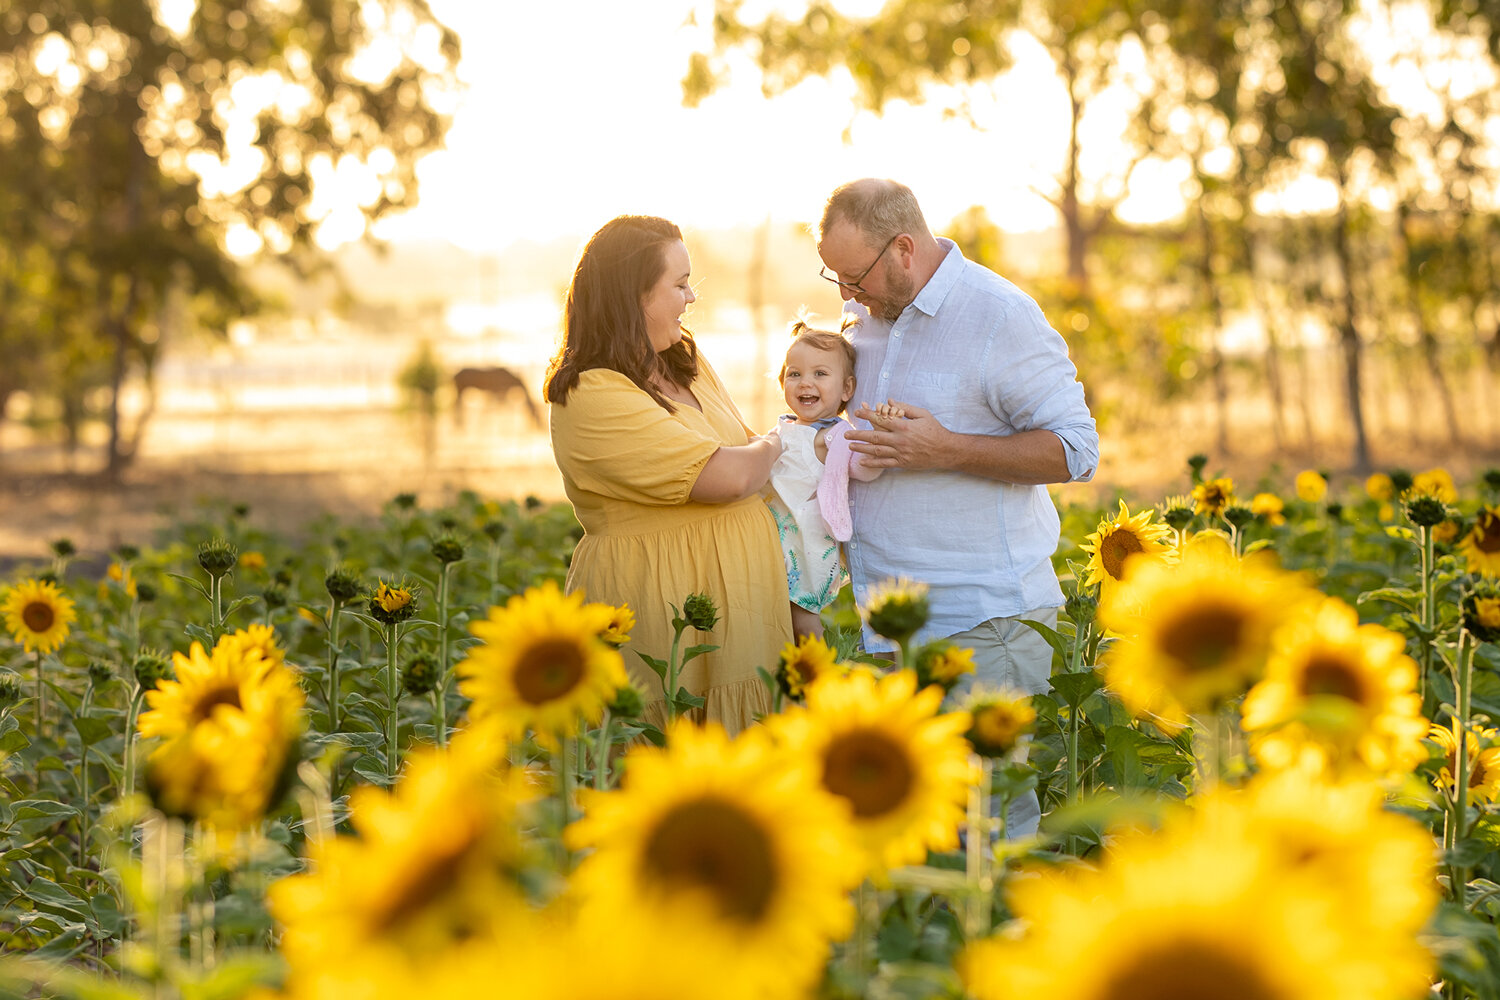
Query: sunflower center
226	694
548	670
870	770
38	616
997	726
712	846
1204	637
1115	549
1189	970
1328	675
1487	538
427	883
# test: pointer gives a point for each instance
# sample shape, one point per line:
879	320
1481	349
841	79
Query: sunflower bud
1426	511
1081	607
1238	515
1195	466
145	592
404	501
393	604
150	667
1335	510
942	663
533	502
63	548
10	690
1491	480
447	548
342	583
1401	480
700	612
100	673
127	552
240	511
802	664
420	674
1177	512
494	530
217	556
274	596
1481	612
897	609
628	703
999	720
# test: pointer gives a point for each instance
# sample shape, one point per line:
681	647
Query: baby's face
816	383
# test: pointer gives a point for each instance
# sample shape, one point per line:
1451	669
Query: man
994	411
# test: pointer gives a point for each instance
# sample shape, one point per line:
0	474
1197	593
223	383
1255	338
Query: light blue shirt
976	352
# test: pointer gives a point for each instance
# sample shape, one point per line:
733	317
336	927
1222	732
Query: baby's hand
885	413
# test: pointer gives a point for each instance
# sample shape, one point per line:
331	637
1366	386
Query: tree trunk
1349	342
1268	323
1216	329
1076	231
120	320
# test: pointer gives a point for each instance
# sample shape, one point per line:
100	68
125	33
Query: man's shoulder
981	287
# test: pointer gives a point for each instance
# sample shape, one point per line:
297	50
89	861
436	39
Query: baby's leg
806	623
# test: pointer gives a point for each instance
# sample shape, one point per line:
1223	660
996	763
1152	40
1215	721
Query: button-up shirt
976	352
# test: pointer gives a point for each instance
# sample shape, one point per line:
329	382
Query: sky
573	114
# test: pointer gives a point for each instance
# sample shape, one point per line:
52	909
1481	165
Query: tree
128	141
911	44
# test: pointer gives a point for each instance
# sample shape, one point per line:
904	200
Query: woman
663	472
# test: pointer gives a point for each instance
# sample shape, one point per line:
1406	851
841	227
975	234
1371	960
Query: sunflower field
394	759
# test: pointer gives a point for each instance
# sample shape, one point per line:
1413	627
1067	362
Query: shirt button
896	334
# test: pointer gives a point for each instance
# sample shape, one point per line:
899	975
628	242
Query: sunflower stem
440	705
332	697
1429	605
1463	677
84	796
127	782
673	667
392	699
41	704
602	750
977	852
564	762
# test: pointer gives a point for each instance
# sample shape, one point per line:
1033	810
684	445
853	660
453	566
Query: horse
497	382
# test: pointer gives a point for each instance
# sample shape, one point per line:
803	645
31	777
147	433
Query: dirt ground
292	467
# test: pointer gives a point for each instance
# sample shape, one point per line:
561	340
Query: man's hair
824	340
603	323
880	209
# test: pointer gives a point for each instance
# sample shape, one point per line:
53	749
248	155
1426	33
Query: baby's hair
824	340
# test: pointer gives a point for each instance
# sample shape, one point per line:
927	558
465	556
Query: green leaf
1075	687
1403	597
92	730
199	634
14	741
692	652
659	667
236	604
192	582
1059	644
235	976
53	898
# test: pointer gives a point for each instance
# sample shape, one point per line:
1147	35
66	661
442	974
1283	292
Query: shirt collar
791	418
943	279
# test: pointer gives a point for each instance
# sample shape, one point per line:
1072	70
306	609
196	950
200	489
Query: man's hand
901	436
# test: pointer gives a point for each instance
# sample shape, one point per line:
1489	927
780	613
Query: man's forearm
1029	458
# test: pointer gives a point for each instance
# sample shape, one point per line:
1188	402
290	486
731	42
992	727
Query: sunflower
432	865
880	745
1194	635
1434	483
999	719
230	721
1268	506
1482	754
541	664
1202	909
37	615
728	850
618	623
1341	690
1310	486
392	604
1212	495
802	663
1122	540
943	663
1380	488
1481	546
258	638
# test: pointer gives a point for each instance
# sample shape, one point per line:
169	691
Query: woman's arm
737	471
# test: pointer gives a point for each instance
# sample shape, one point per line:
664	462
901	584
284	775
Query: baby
809	488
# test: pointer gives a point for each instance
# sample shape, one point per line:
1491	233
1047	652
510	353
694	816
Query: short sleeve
612	439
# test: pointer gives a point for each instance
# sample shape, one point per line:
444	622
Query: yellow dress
628	467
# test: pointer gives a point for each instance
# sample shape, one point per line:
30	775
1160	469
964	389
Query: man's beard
899	295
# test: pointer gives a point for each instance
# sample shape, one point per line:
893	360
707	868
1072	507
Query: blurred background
308	254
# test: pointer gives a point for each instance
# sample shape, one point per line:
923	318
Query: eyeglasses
855	286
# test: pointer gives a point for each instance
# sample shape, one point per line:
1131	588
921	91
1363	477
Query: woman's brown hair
603	323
